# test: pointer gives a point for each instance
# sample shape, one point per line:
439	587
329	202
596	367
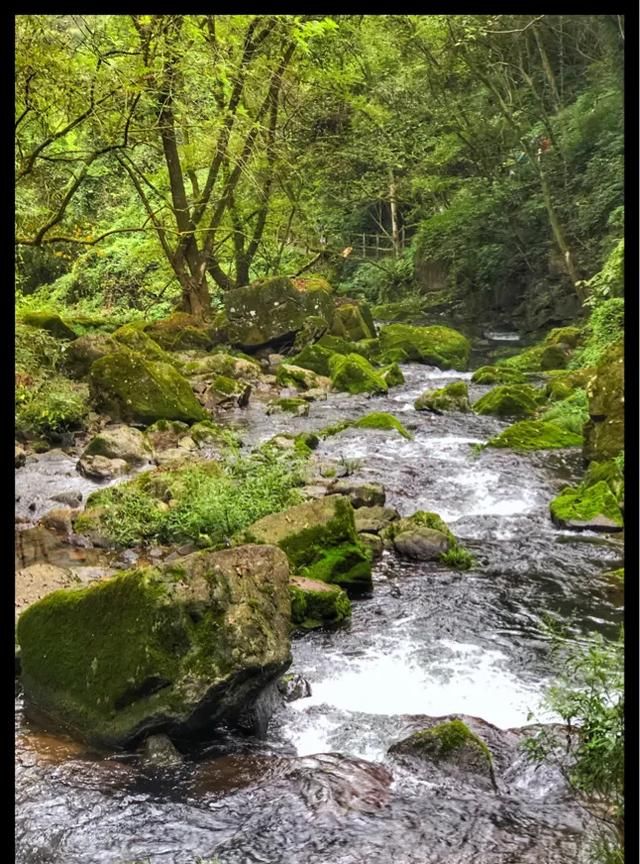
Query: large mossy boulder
180	332
452	397
314	357
271	311
497	375
561	385
354	374
436	345
131	388
553	352
82	352
604	431
317	604
133	336
353	321
222	363
449	745
320	540
178	649
510	400
49	321
535	435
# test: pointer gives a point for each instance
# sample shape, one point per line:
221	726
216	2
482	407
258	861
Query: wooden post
377	245
364	247
393	204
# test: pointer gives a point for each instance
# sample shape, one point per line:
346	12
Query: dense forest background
472	164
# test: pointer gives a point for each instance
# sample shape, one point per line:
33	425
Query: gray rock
373	542
294	687
158	751
72	498
59	519
373	520
421	544
101	468
361	494
120	442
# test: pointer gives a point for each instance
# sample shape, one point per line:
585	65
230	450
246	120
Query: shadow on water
429	641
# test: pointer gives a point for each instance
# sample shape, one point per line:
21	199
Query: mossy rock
132	336
510	400
289	375
338	345
604	433
452	397
181	648
82	352
561	385
610	472
497	375
317	604
51	322
426	536
535	435
381	420
592	507
392	375
221	363
553	352
393	355
451	743
320	539
314	357
270	310
180	332
313	328
120	442
354	374
298	407
571	336
436	345
131	388
312	282
353	321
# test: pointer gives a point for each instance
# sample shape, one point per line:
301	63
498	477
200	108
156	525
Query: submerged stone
178	649
421	544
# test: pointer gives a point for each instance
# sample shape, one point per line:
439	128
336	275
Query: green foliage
208	504
605	326
589	697
570	413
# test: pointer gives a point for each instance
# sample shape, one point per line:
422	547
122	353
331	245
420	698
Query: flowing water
429	641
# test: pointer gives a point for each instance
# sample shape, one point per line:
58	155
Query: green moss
570	413
393	355
314	357
226	386
129	387
535	435
312	282
445	739
50	406
353	321
221	363
497	375
382	420
571	336
82	352
584	503
436	345
456	555
452	397
299	407
49	321
206	431
561	385
604	433
338	345
348	565
354	374
180	332
392	375
510	400
134	338
458	558
316	604
288	375
553	352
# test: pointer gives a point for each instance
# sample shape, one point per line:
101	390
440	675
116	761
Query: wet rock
354	374
20	456
421	544
313	491
316	604
289	375
320	540
175	456
510	400
373	542
120	442
179	648
498	375
453	397
360	494
297	407
353	321
59	519
225	392
314	395
437	345
158	751
274	361
373	520
395	591
101	468
72	498
293	687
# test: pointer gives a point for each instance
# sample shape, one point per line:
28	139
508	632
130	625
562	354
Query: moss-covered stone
288	375
452	397
553	352
82	352
181	648
130	387
50	321
392	375
535	435
133	337
426	536
560	385
393	355
221	363
594	507
120	442
338	345
181	331
382	420
312	282
314	357
510	400
353	321
354	374
497	375
450	742
320	540
317	604
299	407
270	310
604	432
571	336
436	345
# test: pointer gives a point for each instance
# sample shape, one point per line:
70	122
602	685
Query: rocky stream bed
429	642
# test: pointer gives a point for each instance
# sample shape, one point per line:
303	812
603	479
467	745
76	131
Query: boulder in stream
360	494
436	345
101	468
421	544
353	321
294	687
354	374
178	649
317	604
373	520
510	400
120	442
452	397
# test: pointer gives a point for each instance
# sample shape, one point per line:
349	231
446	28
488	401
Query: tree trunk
393	204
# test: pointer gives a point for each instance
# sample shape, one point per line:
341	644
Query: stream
429	641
